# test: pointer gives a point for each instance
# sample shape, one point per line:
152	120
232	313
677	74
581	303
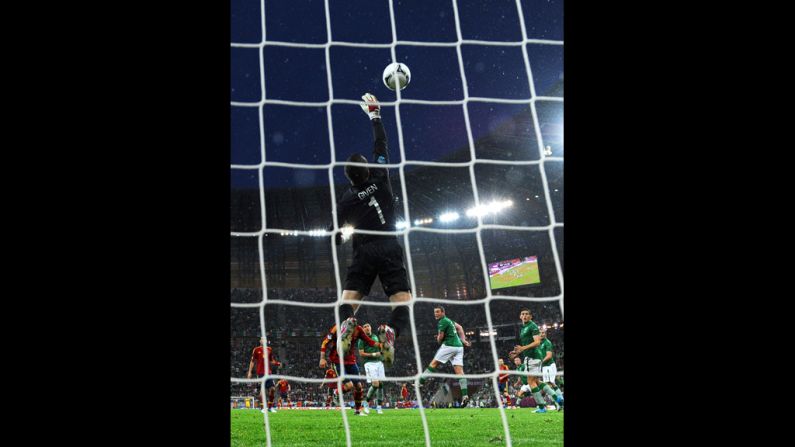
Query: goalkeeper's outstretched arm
380	149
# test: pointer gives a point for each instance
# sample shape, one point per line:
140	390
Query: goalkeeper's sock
536	392
427	370
463	383
399	319
346	311
370	392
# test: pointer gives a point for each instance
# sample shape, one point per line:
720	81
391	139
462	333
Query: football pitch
526	273
467	427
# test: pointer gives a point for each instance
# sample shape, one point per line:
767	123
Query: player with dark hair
502	383
331	386
530	339
349	361
369	205
284	389
452	339
258	358
549	370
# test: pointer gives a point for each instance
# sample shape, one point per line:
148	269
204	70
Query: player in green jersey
373	368
529	340
452	338
549	370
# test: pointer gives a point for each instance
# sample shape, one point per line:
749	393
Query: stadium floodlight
449	217
493	207
401	224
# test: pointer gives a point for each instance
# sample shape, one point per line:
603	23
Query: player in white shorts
373	369
529	340
452	338
549	371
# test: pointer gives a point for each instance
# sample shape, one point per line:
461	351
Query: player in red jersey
503	383
330	344
284	388
331	374
258	358
404	393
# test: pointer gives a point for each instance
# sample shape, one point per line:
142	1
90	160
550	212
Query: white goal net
413	223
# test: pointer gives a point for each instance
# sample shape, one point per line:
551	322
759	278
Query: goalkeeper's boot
464	401
366	408
540	410
347	328
386	335
559	401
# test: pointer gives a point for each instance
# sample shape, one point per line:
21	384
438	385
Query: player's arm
368	340
323	345
380	148
462	335
338	236
251	363
536	342
547	357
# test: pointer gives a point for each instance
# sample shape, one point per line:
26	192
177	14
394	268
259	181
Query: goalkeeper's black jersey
371	204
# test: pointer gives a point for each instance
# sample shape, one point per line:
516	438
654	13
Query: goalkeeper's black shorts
382	259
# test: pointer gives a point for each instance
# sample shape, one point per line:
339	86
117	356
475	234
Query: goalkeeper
369	205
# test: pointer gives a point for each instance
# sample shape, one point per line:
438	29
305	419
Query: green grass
527	274
466	427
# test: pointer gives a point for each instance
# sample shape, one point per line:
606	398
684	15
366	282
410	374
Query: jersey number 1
374	203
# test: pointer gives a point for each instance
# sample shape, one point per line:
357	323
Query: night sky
430	132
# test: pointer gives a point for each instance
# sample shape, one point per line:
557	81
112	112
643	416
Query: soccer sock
399	319
370	392
508	400
379	396
346	311
357	398
558	392
548	389
463	383
427	370
536	392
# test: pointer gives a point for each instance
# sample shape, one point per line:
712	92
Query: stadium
477	172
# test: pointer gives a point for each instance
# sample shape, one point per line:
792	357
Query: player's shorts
525	389
374	371
354	371
549	373
331	390
382	258
501	386
533	366
268	383
453	354
283	395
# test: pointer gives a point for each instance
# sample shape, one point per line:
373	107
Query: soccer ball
396	73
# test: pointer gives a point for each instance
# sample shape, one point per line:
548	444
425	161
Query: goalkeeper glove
371	106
